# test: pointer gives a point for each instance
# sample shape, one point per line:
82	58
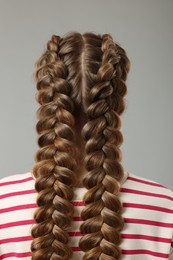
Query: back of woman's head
79	73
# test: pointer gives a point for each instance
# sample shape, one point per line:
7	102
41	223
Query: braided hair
79	72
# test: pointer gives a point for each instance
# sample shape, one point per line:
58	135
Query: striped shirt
147	212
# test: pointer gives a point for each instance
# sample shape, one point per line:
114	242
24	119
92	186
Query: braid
79	73
102	220
54	167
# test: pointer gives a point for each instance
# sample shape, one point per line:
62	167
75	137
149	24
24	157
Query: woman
78	202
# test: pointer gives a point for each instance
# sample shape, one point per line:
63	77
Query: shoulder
17	197
147	183
17	176
156	193
16	181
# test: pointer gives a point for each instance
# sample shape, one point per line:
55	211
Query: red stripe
143	251
145	206
172	243
126	236
127	220
133	205
24	192
139	221
76	248
77	203
15	254
25	206
146	182
75	234
146	193
148	222
76	218
125	252
133	236
145	237
15	239
15	182
17	223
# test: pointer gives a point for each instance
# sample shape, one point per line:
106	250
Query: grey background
144	28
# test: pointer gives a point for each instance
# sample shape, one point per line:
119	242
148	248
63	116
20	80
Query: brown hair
79	72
